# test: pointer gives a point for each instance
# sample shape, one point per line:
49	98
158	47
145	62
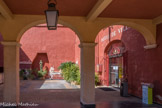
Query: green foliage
96	79
42	73
31	76
22	72
70	72
26	74
29	71
78	76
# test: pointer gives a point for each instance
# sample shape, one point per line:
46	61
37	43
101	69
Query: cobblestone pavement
38	92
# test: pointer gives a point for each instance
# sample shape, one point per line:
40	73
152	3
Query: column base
87	105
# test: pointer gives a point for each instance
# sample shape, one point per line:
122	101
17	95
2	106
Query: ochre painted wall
1	52
1	61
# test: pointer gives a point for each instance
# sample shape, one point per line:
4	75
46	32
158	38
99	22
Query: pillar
11	72
87	74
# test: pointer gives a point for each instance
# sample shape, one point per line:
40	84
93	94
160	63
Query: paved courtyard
60	94
47	84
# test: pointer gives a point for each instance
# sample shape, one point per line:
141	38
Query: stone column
11	89
87	74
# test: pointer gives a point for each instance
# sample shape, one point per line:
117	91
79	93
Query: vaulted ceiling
142	9
145	9
65	7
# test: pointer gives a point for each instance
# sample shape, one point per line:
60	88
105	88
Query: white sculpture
51	72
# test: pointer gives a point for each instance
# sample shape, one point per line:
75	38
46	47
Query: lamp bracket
50	1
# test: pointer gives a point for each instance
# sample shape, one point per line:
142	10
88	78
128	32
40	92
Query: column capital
10	43
84	44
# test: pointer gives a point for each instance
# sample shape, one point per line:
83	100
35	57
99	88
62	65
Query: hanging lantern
52	16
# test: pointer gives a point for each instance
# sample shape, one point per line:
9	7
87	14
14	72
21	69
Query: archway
128	45
53	48
105	39
34	23
149	34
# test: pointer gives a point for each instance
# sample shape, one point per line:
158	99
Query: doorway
116	71
116	64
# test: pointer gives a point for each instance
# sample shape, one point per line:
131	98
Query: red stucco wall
145	65
141	65
59	45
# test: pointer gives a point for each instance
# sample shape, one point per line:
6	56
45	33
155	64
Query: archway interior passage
48	49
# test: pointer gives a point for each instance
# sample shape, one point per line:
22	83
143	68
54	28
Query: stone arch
34	23
148	32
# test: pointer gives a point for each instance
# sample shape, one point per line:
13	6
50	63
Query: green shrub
70	72
27	74
42	73
96	79
31	76
78	76
22	72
